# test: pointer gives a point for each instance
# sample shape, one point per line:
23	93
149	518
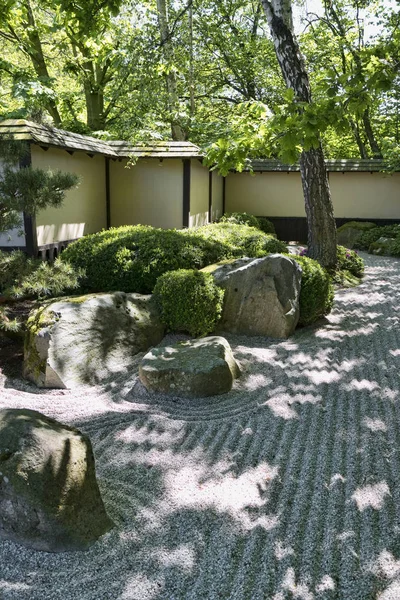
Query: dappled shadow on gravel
287	487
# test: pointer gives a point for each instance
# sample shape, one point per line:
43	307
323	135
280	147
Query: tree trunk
170	78
317	197
357	136
95	119
376	151
38	61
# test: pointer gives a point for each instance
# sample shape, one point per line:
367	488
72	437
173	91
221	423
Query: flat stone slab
49	498
192	369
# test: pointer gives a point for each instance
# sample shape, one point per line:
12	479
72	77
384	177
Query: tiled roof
19	129
340	165
157	150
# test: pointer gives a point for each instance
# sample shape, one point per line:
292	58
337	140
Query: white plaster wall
217	195
265	194
149	192
199	195
84	208
366	195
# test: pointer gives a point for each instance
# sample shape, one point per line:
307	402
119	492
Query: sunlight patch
371	496
374	424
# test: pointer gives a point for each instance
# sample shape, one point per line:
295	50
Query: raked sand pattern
287	487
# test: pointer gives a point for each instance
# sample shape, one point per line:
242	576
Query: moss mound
130	259
189	301
316	294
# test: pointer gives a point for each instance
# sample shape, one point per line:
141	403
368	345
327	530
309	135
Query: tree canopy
205	71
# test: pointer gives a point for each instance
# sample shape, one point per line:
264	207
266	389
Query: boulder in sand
195	368
49	498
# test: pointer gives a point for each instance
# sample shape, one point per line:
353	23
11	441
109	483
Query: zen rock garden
49	498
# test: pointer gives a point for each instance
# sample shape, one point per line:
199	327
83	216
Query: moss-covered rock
192	369
383	246
49	498
89	339
350	232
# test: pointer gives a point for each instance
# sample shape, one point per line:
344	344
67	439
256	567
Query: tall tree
317	197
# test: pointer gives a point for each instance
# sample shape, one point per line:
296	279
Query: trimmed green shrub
242	240
189	301
240	218
316	294
372	235
131	258
348	260
361	225
266	226
23	277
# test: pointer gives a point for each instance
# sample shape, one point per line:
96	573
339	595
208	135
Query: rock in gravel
49	498
348	234
89	339
191	369
261	295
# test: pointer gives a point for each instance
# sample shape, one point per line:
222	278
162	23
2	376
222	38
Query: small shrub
189	301
266	226
372	235
238	218
348	260
316	295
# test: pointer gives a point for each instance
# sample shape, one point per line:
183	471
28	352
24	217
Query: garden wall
199	194
84	208
279	196
149	192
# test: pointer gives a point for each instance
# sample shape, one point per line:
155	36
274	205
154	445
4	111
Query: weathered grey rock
49	498
348	234
89	339
192	369
261	295
382	246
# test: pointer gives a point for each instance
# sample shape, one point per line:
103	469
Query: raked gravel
286	487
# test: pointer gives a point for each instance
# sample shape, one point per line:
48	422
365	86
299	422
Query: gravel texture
286	487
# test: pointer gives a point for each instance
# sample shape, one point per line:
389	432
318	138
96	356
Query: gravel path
287	487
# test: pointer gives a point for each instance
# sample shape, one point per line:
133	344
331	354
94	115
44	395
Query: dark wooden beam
108	193
223	194
186	192
29	220
210	183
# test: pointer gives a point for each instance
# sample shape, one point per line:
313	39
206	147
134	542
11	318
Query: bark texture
317	197
170	78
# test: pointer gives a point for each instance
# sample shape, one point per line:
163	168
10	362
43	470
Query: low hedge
131	258
317	293
243	218
367	238
189	301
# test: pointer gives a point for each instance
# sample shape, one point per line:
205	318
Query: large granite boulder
89	339
261	295
348	234
49	498
191	369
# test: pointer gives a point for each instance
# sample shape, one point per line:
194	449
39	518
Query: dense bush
266	226
316	295
131	259
23	277
372	235
238	218
242	240
189	301
348	260
361	225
